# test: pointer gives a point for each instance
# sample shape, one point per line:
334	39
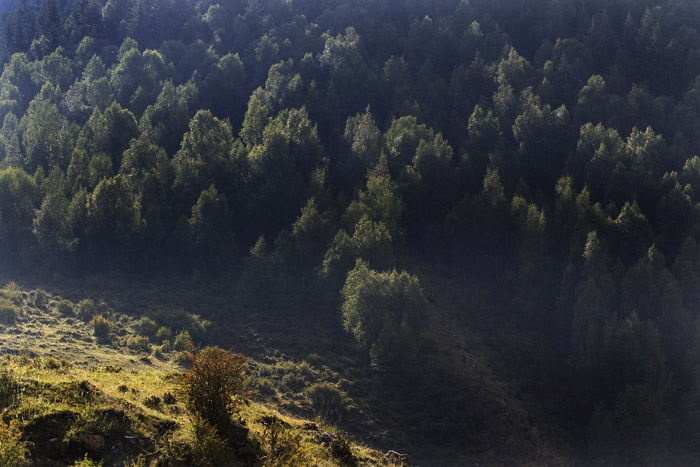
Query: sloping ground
74	396
467	405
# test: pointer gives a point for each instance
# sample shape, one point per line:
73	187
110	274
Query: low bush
282	445
87	309
152	402
8	390
341	450
181	320
183	342
12	292
87	462
13	451
101	326
138	344
40	299
65	307
146	327
163	334
9	313
326	400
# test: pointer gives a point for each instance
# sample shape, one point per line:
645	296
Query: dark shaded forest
551	146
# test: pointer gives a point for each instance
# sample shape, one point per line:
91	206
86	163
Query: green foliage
139	344
64	307
9	313
40	299
341	450
87	309
206	446
326	400
12	292
102	326
13	451
282	445
163	334
9	390
386	312
87	462
183	342
146	327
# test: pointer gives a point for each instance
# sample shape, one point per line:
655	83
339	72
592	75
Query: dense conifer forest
528	168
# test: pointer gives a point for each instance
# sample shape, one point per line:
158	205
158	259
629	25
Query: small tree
386	312
216	386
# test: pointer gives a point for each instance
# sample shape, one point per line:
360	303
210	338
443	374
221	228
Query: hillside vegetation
462	229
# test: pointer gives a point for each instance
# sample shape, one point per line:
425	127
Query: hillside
459	229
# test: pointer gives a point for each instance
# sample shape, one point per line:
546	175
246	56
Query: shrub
8	390
326	400
183	342
146	327
101	326
341	450
8	313
216	386
163	334
40	299
87	309
13	451
139	344
87	462
169	399
152	402
208	448
12	292
179	319
282	445
65	307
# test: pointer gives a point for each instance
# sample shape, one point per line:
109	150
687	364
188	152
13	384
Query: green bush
146	327
180	320
282	445
152	402
139	344
326	400
207	448
163	333
65	307
40	299
13	451
12	292
341	450
183	342
9	313
87	462
8	390
101	326
87	309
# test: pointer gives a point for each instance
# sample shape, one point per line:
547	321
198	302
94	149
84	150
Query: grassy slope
470	406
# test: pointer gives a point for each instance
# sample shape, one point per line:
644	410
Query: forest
547	149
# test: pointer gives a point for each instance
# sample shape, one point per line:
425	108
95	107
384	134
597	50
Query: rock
397	458
326	437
